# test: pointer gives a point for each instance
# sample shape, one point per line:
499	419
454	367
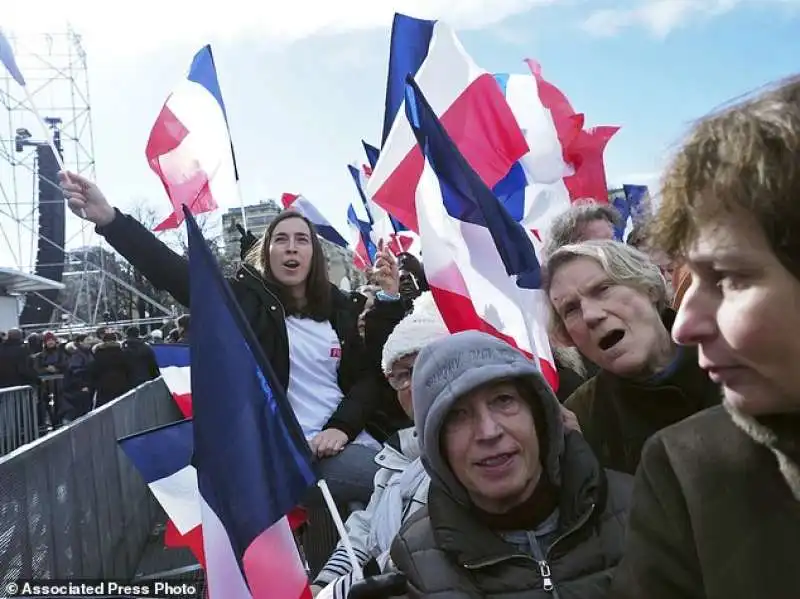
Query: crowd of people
667	462
84	370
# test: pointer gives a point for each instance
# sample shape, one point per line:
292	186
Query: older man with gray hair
583	220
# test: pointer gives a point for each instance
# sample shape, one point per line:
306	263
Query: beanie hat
455	365
49	336
419	328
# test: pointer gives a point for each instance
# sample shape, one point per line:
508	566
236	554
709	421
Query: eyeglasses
400	380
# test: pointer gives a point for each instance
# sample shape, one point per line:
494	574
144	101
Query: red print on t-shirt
336	352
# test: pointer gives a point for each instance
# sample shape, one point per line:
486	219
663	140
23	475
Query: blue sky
304	83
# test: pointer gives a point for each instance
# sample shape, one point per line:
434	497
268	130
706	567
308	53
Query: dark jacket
141	361
447	553
618	415
78	391
263	310
379	322
716	511
54	357
16	365
110	372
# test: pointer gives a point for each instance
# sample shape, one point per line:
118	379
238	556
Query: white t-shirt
314	393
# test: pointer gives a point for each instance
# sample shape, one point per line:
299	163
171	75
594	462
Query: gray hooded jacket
445	551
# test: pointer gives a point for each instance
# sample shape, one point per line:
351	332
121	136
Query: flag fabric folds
472	109
480	263
173	362
533	191
8	60
408	49
364	249
253	464
190	147
630	206
305	207
163	457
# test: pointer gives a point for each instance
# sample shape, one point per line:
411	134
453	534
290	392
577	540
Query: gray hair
567	228
623	264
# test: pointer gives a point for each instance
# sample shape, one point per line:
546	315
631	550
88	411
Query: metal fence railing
19	420
71	504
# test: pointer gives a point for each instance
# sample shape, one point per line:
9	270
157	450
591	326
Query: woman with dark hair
306	326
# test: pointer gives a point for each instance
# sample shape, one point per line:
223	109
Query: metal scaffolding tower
55	68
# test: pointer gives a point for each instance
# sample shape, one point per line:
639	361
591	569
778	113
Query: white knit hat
423	326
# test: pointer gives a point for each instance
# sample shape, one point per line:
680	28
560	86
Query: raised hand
85	199
386	271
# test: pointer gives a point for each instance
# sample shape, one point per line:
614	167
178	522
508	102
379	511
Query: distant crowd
83	371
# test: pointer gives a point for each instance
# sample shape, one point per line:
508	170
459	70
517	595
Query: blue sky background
305	84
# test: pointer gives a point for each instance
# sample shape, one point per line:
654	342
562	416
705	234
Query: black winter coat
263	310
447	553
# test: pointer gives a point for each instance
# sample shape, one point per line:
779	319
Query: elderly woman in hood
518	505
401	484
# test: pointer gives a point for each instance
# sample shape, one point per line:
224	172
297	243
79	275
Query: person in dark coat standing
16	368
716	507
110	370
78	391
518	506
141	358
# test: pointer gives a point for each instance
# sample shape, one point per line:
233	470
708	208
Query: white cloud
661	17
150	24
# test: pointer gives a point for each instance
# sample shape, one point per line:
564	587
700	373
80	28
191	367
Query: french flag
533	191
253	463
583	148
190	146
163	457
630	205
466	98
480	263
365	249
305	207
173	362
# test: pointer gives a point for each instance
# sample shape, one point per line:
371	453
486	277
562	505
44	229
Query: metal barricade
19	421
72	505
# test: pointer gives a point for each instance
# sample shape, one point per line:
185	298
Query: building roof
14	281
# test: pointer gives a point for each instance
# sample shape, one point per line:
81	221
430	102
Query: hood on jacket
419	328
451	367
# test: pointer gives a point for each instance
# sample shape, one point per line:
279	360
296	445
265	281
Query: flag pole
44	127
241	203
337	520
48	136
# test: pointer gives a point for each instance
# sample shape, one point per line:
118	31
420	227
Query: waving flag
305	207
583	149
534	191
163	456
253	463
481	264
631	207
173	362
381	225
190	146
361	233
408	49
372	156
471	107
8	60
